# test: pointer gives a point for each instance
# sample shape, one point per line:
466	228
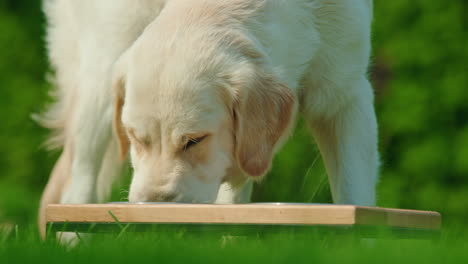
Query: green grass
173	245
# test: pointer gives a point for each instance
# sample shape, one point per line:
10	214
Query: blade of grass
123	230
320	186
91	227
306	176
49	230
78	236
65	225
16	233
115	219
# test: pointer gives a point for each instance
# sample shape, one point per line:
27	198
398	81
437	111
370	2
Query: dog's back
77	33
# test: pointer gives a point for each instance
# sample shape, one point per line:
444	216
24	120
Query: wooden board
280	214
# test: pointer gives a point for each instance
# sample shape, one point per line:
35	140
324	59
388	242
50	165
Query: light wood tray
253	214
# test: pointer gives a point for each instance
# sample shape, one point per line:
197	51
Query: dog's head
188	115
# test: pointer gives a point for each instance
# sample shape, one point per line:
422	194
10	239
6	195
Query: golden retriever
202	93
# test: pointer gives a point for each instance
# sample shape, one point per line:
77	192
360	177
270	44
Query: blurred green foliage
420	78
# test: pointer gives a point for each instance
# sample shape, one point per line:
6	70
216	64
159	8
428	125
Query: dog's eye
193	141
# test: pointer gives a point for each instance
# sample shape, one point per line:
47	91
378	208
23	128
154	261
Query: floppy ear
119	97
262	112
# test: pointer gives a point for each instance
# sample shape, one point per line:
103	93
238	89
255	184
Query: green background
420	78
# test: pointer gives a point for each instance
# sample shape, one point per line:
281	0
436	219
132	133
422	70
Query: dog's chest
287	33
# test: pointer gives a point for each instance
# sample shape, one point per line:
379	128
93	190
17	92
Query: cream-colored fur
206	91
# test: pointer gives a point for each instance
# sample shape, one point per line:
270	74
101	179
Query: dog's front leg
235	188
54	188
348	143
91	137
230	193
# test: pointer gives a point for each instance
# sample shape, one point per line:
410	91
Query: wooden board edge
398	217
265	214
238	214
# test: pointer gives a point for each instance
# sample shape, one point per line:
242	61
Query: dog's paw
71	240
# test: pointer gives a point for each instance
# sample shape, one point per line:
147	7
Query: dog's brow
131	131
146	140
